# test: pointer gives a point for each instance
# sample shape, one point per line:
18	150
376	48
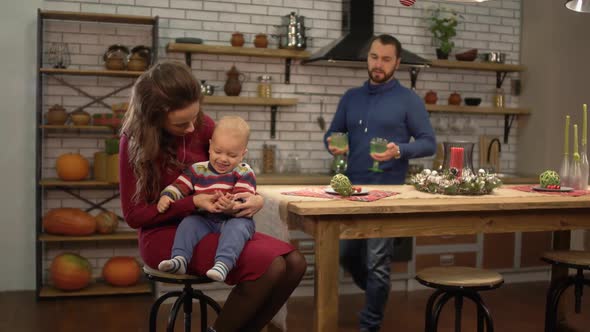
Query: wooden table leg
326	277
561	241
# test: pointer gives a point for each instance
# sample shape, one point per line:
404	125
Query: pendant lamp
580	6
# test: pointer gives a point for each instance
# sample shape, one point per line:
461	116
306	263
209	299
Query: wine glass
377	145
340	141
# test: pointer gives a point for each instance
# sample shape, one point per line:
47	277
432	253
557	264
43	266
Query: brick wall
493	25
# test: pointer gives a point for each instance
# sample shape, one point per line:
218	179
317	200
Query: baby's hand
164	203
225	203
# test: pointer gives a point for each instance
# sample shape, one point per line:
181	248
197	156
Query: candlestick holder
467	155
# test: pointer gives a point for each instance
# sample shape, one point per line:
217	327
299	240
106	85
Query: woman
164	130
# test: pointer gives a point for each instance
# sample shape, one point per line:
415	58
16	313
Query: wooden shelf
97	17
173	47
74	127
91	72
476	109
469	65
98	288
48	183
121	236
249	101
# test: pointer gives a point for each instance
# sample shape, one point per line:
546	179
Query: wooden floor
515	307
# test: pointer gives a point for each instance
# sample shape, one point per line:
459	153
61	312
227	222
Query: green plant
443	25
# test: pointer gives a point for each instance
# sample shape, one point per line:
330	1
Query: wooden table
419	214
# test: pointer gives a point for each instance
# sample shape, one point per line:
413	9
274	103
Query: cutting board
484	142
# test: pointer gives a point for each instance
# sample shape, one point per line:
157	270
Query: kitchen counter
324	179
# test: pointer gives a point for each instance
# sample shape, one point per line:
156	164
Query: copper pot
455	99
261	41
56	115
430	97
237	39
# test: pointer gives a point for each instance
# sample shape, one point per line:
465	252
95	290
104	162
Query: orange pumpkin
72	167
70	272
106	222
121	271
69	221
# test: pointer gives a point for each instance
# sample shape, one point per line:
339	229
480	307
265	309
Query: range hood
351	49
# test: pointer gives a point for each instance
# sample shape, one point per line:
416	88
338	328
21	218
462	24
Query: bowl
467	55
471	101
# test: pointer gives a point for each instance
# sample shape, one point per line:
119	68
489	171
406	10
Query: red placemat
529	189
373	195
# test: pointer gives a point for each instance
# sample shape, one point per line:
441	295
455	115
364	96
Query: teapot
233	85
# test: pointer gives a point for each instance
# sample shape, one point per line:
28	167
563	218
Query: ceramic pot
237	39
233	85
430	97
80	118
455	99
261	41
137	63
57	115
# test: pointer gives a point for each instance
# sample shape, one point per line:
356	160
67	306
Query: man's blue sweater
390	111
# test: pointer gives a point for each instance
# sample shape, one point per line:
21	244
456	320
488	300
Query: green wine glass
340	141
377	145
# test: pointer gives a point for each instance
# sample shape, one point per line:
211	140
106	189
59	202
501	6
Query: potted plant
443	25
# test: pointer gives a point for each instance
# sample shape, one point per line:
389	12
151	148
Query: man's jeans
369	263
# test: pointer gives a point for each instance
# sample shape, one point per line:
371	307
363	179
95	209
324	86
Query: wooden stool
185	298
458	282
579	260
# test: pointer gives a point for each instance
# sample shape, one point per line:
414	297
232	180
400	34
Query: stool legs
458	310
429	307
554	294
156	307
440	297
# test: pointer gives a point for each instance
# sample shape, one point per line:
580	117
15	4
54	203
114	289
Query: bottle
264	87
564	171
584	151
499	98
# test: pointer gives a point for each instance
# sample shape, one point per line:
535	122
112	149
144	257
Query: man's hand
391	152
249	206
333	150
164	203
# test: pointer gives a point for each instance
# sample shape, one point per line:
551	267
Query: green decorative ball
341	184
549	177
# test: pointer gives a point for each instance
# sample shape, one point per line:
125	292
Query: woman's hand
225	203
250	205
207	202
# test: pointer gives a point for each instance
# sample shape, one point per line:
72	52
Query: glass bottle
264	87
564	171
584	150
499	98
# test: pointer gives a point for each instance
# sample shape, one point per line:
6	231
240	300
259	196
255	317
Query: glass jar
269	154
264	87
499	98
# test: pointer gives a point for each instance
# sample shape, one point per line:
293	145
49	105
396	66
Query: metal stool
458	282
185	298
572	259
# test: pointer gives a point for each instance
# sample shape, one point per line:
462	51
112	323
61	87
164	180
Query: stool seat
459	276
174	278
576	258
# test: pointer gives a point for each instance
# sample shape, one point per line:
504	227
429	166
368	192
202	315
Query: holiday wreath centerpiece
453	182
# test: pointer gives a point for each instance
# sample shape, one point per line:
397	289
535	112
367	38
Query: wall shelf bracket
508	120
500	76
414	71
273	121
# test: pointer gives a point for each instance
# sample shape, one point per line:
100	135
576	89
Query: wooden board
98	288
476	109
96	17
249	101
91	72
473	65
74	127
120	236
76	184
173	47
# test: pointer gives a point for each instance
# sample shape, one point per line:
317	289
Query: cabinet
87	41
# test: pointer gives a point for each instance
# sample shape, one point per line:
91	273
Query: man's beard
386	76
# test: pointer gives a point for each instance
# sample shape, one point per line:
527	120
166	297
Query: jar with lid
264	87
269	154
499	97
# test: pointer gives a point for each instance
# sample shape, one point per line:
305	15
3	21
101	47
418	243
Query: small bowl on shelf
467	55
472	101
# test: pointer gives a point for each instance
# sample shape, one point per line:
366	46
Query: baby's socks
218	272
176	265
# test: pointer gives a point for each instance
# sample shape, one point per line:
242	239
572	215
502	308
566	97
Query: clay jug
57	115
237	39
261	41
430	97
455	99
233	85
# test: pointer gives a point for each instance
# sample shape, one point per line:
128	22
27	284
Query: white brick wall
493	25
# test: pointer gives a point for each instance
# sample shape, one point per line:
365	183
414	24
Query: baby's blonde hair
235	125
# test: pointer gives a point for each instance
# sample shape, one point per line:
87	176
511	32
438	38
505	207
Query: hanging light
580	6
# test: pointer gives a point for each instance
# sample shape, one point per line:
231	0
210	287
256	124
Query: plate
560	190
363	191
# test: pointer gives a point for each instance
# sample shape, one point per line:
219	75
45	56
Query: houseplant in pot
443	25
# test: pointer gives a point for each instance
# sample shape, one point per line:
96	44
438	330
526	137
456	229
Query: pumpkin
106	222
69	221
70	272
72	167
121	271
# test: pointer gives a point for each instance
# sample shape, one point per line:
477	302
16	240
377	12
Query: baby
223	175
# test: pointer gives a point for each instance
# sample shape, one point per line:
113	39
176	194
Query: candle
576	154
457	159
566	145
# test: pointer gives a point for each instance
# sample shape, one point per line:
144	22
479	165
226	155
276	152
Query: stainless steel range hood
351	49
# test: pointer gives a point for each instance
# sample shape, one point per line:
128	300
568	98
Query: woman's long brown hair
166	87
